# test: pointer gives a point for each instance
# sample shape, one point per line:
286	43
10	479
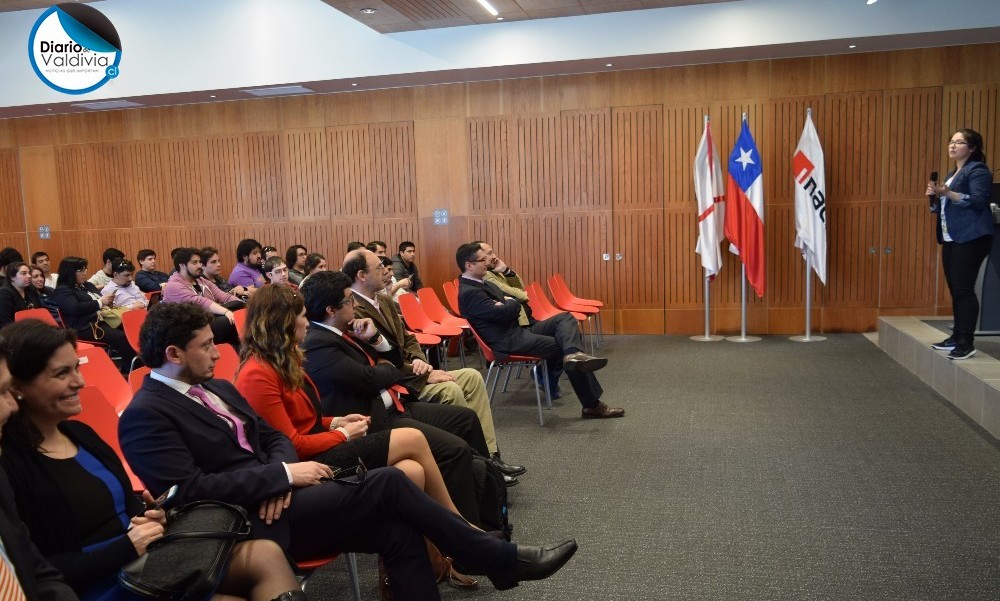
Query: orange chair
41	314
436	310
99	414
451	295
240	321
418	321
426	341
152	298
311	565
131	323
135	378
558	281
564	301
99	370
541	308
497	365
228	363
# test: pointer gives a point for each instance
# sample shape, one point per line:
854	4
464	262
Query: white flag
810	199
711	204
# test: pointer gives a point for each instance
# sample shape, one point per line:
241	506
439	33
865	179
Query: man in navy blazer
185	428
494	316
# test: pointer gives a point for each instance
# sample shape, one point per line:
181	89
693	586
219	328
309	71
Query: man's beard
186	376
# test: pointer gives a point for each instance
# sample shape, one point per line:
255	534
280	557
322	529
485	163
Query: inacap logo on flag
74	48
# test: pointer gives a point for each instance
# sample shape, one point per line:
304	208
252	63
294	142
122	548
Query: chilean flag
745	208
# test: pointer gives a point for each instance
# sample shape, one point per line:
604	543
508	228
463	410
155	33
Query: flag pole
808	337
708	337
743	302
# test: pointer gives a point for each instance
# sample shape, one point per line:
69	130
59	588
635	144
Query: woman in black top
17	293
44	292
72	491
79	302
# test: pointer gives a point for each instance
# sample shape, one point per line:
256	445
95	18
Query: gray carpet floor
772	470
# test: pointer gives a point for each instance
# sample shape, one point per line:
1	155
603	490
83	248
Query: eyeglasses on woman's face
958	143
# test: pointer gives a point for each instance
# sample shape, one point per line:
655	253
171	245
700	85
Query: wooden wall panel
223	179
539	162
686	276
307	167
351	167
639	275
913	141
12	215
785	266
976	107
853	254
263	193
73	173
683	129
529	243
909	255
852	127
585	237
786	117
394	170
182	183
637	148
586	159
490	171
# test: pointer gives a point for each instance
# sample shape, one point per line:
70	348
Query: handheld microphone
931	197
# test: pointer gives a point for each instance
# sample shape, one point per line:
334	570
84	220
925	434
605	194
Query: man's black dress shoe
602	411
510	481
534	563
506	468
583	362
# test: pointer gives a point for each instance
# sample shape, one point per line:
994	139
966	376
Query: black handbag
187	564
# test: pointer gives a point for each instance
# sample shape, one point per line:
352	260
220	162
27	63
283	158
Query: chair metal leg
507	379
443	349
496	378
538	394
351	559
548	389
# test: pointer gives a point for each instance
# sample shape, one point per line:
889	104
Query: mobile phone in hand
161	500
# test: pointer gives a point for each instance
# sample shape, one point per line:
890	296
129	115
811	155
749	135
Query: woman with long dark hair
965	233
18	294
79	303
71	489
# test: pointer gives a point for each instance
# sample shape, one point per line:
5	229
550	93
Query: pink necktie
199	393
10	588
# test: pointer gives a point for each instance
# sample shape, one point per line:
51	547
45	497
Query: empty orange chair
99	370
451	295
541	308
418	321
131	323
498	365
564	300
228	363
135	378
558	281
435	309
40	313
99	414
240	321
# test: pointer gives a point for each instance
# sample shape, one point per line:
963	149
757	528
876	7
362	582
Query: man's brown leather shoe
583	362
602	411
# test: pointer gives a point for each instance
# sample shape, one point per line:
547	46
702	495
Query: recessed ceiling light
870	2
212	96
499	18
369	11
354	85
104	105
610	65
489	7
852	46
279	91
49	110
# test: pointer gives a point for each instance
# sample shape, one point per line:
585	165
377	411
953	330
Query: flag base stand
743	338
707	338
807	338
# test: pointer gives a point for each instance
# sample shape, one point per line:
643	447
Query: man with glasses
186	428
276	272
495	315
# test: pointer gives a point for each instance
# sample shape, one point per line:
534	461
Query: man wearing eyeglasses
494	315
183	427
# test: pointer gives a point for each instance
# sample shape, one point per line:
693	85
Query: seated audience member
354	245
395	287
314	262
125	294
495	315
32	576
18	293
342	360
187	285
211	262
295	258
276	272
460	387
148	279
79	303
272	380
72	491
41	258
9	255
268	252
248	260
44	292
185	428
102	276
404	265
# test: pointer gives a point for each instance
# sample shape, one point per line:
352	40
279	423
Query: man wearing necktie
342	358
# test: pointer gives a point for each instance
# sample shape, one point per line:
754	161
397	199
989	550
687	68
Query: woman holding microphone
965	232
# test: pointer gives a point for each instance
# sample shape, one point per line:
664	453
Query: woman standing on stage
965	232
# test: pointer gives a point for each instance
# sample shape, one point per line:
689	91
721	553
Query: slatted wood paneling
224	179
351	171
853	141
490	166
683	265
12	215
684	127
853	248
394	177
913	141
586	159
976	107
538	162
308	181
584	238
637	147
909	255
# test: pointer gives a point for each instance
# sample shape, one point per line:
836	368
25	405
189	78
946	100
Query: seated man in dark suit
24	573
352	378
185	428
494	315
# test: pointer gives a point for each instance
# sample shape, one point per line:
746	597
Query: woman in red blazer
271	378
